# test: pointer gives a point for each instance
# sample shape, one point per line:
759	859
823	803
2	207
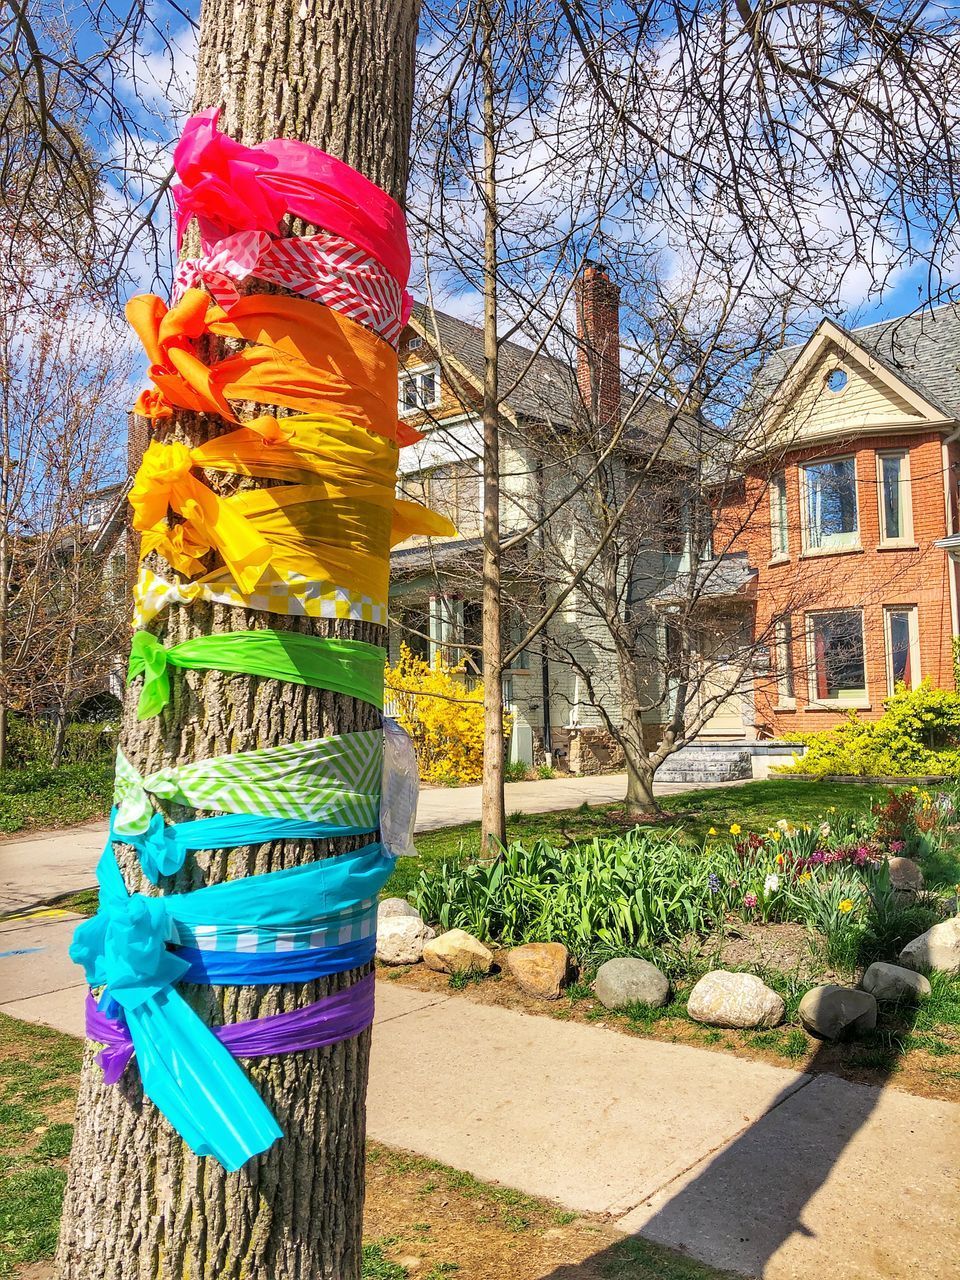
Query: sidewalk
46	865
763	1171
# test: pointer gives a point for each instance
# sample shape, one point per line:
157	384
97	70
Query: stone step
706	764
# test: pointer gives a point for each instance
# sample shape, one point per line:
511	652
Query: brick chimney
598	353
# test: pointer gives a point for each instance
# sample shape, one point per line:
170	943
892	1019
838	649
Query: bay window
779	537
896	516
902	643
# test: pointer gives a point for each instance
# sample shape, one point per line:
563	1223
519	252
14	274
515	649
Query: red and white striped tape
324	268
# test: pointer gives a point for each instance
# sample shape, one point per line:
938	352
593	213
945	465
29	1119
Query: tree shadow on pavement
738	1211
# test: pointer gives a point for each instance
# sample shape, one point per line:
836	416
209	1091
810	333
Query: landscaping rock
723	999
905	876
829	1011
628	980
891	982
396	907
457	951
401	939
938	948
540	968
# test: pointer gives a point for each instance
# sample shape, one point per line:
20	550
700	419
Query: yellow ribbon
165	482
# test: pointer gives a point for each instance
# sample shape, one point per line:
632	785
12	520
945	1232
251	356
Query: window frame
779	520
913	624
906	538
861	702
832	549
786	682
414	374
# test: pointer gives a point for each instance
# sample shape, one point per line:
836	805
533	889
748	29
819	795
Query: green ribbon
349	667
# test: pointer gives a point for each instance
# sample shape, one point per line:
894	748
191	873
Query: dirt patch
784	948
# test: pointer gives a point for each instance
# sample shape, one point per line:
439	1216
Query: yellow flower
832	809
915	790
712	831
804	877
735	828
846	904
776	835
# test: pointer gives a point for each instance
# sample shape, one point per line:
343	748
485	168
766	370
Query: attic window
836	380
414	344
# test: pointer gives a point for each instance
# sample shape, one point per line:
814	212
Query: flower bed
647	892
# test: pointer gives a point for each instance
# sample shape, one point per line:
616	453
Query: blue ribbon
125	948
265	968
163	846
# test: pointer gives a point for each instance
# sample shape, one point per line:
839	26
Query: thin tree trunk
139	1205
493	817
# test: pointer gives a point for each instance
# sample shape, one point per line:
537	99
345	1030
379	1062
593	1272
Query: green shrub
44	797
918	734
30	742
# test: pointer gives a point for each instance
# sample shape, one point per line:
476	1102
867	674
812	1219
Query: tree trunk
493	817
139	1204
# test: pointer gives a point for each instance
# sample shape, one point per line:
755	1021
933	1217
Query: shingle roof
720	579
538	386
922	349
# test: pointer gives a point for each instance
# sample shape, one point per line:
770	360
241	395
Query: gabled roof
921	351
540	387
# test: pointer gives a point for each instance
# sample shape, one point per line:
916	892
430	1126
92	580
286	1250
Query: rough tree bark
339	74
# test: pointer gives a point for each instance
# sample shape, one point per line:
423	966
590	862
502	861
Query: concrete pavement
47	865
763	1171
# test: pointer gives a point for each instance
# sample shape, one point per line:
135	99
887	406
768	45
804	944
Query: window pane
838	655
831	503
899	624
410	393
891	466
784	658
428	388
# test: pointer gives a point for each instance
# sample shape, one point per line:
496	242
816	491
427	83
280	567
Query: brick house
853	482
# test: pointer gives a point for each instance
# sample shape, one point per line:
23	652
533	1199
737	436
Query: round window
836	379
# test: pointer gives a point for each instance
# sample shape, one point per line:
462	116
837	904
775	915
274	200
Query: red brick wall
868	579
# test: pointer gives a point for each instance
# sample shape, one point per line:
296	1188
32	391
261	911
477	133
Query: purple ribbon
338	1017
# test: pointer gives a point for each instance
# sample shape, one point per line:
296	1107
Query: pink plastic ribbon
324	268
230	187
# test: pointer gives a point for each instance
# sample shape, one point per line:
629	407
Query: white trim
905	485
414	373
914	629
779	554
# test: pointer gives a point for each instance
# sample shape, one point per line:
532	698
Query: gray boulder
830	1011
628	980
396	907
906	878
723	999
937	949
891	982
401	939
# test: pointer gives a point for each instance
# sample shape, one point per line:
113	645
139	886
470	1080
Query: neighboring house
845	518
436	584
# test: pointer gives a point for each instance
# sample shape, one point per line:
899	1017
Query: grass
38	1073
39	797
755	805
456	1224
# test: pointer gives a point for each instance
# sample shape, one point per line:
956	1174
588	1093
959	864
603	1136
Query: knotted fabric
335	779
301	356
125	949
324	268
230	187
349	667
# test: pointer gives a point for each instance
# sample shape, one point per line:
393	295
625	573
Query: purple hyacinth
713	882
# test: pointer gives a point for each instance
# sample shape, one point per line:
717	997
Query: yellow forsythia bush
442	712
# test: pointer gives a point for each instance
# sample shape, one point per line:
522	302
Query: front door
721	645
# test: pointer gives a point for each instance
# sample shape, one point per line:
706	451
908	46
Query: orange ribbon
303	356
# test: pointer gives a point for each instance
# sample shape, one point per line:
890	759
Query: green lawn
414	1205
755	805
37	798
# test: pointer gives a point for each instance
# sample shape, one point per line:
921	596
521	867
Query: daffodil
845	905
735	828
804	877
712	831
